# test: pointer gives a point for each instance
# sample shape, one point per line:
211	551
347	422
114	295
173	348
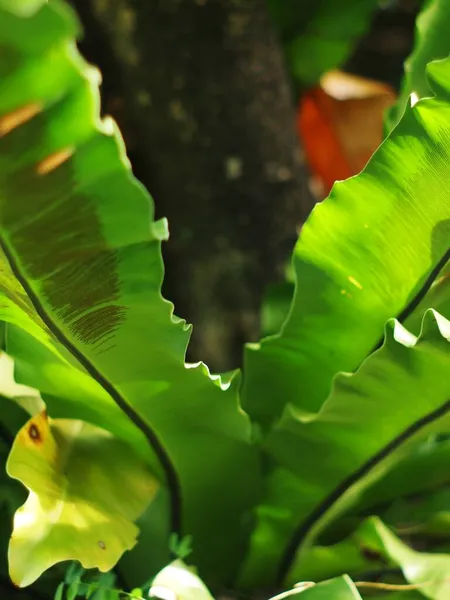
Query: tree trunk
200	91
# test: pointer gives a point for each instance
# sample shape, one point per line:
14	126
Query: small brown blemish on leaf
53	161
372	555
102	544
13	119
34	433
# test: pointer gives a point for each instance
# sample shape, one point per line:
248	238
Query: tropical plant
325	460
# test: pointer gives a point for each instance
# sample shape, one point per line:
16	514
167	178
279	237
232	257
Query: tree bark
200	91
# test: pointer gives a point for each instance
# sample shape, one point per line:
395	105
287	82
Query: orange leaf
340	122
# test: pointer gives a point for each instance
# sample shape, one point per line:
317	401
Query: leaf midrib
419	296
151	436
306	525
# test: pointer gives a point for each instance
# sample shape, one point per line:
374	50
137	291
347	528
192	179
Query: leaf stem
392	587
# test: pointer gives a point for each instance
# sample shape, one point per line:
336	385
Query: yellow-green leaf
86	490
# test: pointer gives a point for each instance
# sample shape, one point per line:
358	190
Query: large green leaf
325	460
78	233
432	42
86	490
362	257
319	36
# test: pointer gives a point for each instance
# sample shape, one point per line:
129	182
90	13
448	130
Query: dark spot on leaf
34	433
102	545
372	555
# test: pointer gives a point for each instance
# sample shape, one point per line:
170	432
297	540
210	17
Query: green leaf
179	581
83	589
72	590
102	345
73	573
321	562
325	460
275	307
15	301
86	491
362	257
67	391
23	8
431	43
437	297
102	587
180	548
340	588
422	470
319	36
438	78
373	539
59	594
430	571
426	516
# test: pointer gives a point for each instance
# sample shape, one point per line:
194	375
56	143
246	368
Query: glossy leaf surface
92	331
86	490
362	257
324	461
